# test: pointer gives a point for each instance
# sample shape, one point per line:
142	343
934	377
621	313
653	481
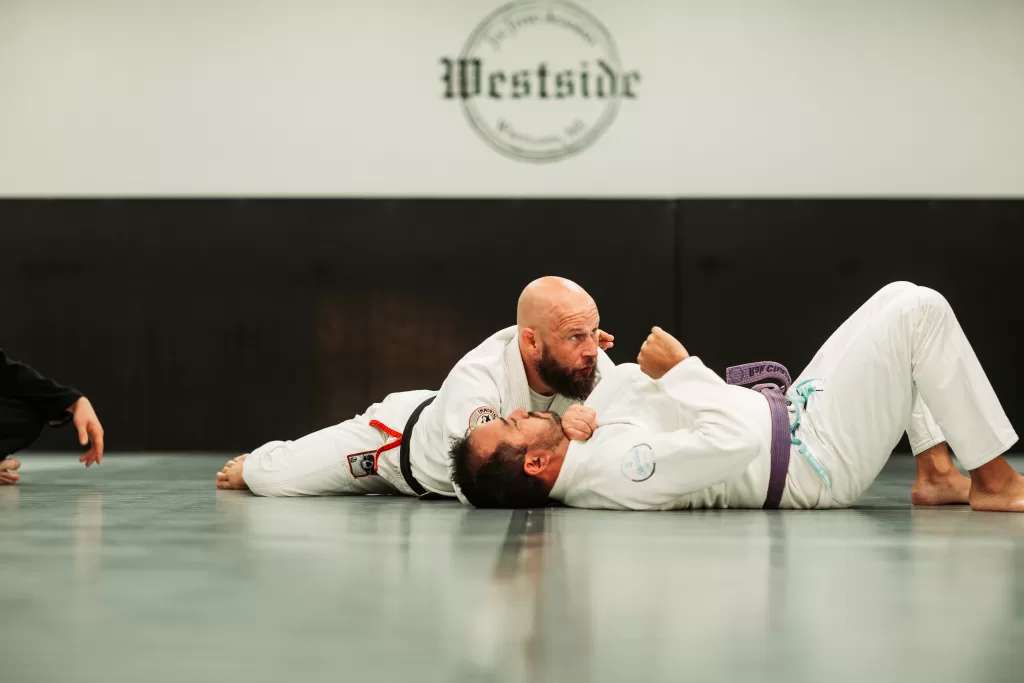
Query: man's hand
605	341
90	431
579	423
660	353
7	473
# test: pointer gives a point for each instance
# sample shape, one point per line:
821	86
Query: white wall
321	97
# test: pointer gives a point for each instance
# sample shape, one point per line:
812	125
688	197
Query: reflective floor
140	571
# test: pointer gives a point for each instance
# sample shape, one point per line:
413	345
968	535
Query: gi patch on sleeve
482	415
361	464
638	463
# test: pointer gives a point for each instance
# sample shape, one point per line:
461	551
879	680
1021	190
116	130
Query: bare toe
231	477
7	474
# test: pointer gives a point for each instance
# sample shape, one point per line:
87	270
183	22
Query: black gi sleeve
20	382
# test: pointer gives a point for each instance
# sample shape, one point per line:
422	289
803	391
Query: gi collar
519	388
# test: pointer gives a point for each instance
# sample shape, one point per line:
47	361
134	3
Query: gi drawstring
803	391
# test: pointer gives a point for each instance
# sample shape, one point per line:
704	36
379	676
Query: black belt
403	453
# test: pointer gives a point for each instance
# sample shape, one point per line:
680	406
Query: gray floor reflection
142	571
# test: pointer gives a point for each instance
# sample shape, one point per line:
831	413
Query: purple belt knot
754	374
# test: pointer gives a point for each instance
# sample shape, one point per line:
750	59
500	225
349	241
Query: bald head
547	300
558	337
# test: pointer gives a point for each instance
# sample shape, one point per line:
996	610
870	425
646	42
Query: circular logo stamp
539	80
482	415
638	463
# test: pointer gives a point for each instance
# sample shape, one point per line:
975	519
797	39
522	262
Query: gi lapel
517	389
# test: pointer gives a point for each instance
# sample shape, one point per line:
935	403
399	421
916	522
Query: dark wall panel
771	279
220	324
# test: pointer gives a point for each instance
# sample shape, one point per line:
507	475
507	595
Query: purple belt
756	373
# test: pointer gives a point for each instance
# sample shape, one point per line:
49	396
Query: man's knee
895	289
908	296
923	308
20	426
932	300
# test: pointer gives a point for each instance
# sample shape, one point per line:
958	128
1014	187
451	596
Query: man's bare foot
7	473
230	478
938	481
950	489
997	487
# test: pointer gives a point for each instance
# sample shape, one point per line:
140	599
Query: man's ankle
993	475
935	463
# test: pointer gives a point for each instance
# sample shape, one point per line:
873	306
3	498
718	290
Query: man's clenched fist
579	423
660	353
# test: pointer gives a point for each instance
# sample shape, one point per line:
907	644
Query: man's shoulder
490	352
613	380
630	371
485	362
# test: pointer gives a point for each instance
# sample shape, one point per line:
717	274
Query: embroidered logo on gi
361	464
482	415
638	463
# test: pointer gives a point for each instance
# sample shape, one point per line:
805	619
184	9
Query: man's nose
590	348
518	414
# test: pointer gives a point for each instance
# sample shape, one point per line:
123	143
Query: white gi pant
336	460
900	364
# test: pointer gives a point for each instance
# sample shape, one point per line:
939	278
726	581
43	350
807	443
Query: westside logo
539	80
467	78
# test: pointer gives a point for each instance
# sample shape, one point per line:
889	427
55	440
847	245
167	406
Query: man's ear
536	462
529	340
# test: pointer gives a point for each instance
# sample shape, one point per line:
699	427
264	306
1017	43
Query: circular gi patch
482	415
638	463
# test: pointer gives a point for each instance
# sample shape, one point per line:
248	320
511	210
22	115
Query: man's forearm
21	382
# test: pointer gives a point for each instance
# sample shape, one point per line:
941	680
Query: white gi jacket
687	440
489	382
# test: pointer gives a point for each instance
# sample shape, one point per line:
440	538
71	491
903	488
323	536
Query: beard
554	436
569	382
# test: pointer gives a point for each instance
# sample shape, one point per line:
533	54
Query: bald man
551	359
668	433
